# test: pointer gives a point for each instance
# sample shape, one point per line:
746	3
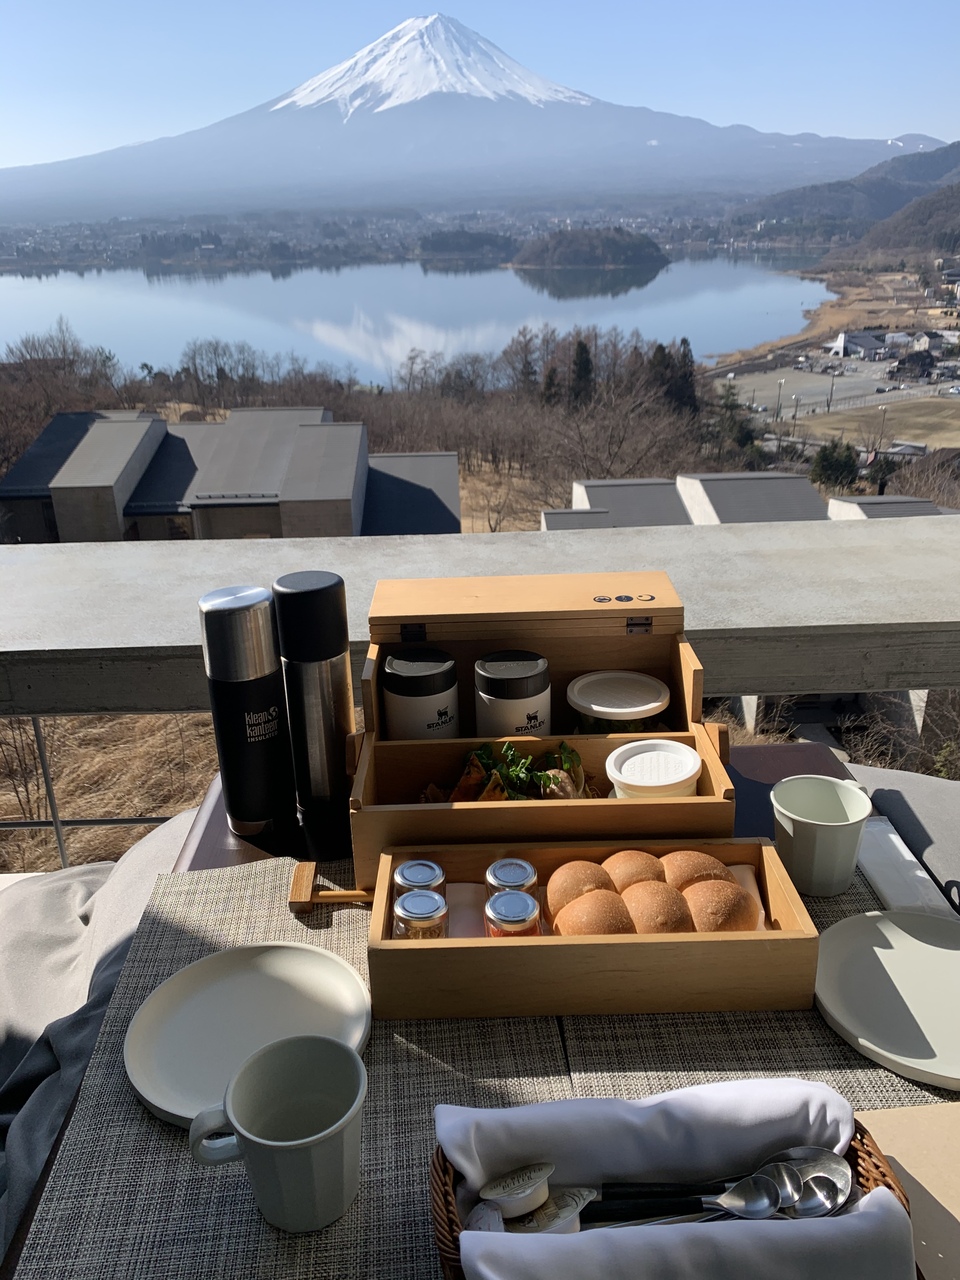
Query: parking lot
858	382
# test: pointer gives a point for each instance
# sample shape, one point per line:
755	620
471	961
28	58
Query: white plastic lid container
617	701
654	768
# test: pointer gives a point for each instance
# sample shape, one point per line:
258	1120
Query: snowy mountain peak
423	56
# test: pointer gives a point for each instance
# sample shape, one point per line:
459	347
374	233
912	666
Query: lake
371	317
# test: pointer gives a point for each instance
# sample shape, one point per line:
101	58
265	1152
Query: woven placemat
641	1054
125	1199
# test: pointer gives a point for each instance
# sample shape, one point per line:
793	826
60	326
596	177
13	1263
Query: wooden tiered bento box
477	977
579	623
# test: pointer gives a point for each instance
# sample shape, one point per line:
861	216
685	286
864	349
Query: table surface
124	1197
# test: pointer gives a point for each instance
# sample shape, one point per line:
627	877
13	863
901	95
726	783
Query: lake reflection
371	317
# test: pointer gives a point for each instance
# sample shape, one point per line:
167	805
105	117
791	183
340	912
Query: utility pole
833	378
780	382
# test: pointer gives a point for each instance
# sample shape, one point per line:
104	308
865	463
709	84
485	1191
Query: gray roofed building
576	518
260	473
866	346
412	493
168	486
72	446
750	497
632	503
872	507
619	504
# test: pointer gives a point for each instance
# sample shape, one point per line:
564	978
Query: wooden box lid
417	610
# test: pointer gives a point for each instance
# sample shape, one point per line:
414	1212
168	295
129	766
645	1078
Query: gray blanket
63	940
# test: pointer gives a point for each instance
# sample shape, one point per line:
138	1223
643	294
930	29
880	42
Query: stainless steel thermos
242	661
315	651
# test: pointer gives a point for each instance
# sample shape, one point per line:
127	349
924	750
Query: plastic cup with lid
654	768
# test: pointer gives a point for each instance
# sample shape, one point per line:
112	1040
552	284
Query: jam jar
420	914
418	874
510	873
511	914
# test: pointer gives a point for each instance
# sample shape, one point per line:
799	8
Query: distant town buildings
261	473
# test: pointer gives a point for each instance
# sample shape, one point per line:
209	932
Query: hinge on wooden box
413	632
639	626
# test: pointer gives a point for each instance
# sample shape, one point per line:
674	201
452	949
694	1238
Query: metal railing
55	822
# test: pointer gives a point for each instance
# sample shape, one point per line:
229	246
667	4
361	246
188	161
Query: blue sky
78	78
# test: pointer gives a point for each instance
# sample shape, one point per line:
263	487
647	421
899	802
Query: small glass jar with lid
511	914
419	873
420	915
510	873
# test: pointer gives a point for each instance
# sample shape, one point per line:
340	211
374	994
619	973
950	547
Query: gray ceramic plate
192	1033
885	982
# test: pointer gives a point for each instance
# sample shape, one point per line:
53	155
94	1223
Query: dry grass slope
102	766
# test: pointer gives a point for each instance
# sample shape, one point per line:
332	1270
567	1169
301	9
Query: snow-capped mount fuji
420	57
431	114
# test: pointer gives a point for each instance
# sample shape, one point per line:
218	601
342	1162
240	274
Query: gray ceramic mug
819	825
293	1114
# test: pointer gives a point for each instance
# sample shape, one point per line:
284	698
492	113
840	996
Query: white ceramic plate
191	1034
886	982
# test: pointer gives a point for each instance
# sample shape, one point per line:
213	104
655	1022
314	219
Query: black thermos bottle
315	650
242	662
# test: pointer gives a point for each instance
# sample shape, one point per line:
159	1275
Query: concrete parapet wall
770	608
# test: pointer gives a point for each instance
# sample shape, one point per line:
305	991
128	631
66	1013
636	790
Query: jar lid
420	906
511	910
512	673
510	873
618	695
419	673
417	874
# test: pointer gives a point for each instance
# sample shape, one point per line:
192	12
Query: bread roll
719	907
657	908
686	867
573	880
601	911
630	866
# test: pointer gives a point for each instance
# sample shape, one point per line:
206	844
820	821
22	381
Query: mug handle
207	1150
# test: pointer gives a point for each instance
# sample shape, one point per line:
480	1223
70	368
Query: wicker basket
869	1165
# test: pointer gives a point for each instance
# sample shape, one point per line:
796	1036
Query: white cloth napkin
871	1242
900	880
697	1134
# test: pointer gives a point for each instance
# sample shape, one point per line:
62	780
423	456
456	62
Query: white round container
420	695
512	694
652	769
617	701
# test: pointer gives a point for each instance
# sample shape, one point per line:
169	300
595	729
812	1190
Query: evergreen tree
551	392
581	382
661	365
835	465
683	389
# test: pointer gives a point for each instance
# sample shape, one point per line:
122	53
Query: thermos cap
311	616
239	634
512	673
419	673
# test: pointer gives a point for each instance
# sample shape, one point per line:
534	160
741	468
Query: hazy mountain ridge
871	196
432	113
928	225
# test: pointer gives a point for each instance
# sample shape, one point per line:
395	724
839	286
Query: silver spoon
829	1166
789	1181
810	1161
753	1198
819	1198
